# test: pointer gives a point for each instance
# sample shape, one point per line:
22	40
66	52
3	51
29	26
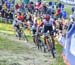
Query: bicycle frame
21	34
38	41
47	42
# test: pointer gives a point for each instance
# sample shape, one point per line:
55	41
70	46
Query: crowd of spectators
6	14
52	8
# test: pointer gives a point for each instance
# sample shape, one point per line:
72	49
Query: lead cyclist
48	26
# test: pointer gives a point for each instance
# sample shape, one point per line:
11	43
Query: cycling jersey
16	23
35	25
39	21
48	23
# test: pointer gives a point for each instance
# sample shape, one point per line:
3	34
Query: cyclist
48	26
36	22
16	25
34	27
34	30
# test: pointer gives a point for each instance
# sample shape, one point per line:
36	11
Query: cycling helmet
47	17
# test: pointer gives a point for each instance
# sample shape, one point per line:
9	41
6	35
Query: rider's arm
41	24
54	23
13	24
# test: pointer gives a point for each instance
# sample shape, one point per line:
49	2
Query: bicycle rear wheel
24	36
19	34
51	47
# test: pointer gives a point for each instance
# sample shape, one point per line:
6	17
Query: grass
6	44
16	47
52	0
9	48
68	10
8	29
59	59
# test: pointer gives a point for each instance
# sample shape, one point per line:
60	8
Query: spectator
8	4
64	14
2	2
62	7
22	7
17	6
20	16
50	3
3	13
4	6
73	9
44	8
0	7
49	11
10	16
59	5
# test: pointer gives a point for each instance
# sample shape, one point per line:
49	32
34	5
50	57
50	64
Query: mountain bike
49	42
38	42
21	34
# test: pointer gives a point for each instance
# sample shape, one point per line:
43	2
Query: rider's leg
53	50
45	46
15	29
52	36
45	30
33	32
53	41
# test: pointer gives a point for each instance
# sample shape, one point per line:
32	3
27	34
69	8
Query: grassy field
11	49
17	47
8	29
8	45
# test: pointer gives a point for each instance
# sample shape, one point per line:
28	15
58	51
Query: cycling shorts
48	28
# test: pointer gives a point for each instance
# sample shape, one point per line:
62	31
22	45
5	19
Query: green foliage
68	10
